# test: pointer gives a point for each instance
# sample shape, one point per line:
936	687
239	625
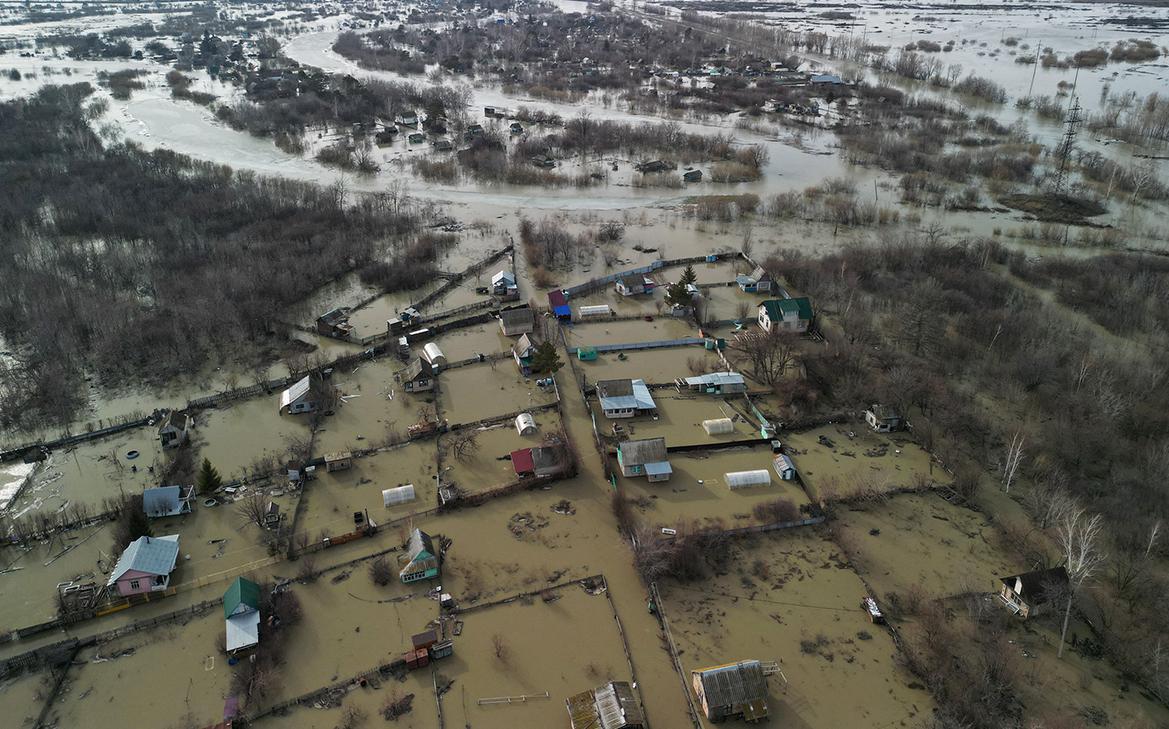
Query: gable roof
152	555
174	419
717	378
557	298
624	395
294	393
759	274
415	370
641	452
522	461
503	277
632	281
420	545
163	501
523	346
545	456
1037	583
733	683
800	306
515	319
243	596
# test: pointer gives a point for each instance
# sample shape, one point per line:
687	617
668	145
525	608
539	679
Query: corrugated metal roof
658	468
242	596
152	555
641	452
243	630
618	707
163	501
522	462
294	393
624	395
717	378
733	683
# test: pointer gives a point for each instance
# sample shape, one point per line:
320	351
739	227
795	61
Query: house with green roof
786	315
241	611
423	560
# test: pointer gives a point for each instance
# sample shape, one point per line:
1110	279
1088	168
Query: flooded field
655	366
790	597
21	697
465	343
838	460
679	420
485	467
594	333
472	393
247	434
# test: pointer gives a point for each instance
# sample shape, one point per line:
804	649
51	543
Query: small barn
167	501
423	560
514	322
173	429
403	494
612	706
541	461
241	613
644	458
747	479
418	376
558	303
434	355
525	424
1028	594
341	461
732	689
335	323
717	383
298	398
884	419
631	285
692	176
784	468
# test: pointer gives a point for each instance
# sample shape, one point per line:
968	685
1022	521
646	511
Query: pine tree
677	295
208	479
546	359
688	276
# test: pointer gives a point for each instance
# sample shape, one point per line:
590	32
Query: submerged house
504	287
692	176
424	561
172	429
1028	594
523	351
241	613
612	706
759	281
335	323
145	566
732	689
418	376
625	398
644	458
631	285
514	322
717	383
298	398
884	419
167	501
785	315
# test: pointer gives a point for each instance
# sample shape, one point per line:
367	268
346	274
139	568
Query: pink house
145	566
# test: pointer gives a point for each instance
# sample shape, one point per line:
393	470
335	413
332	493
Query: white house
785	315
625	398
298	398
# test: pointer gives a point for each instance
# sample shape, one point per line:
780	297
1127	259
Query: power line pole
1067	144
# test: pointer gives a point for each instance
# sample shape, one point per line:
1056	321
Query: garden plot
790	597
332	498
655	366
472	393
483	468
248	435
467	342
730	302
598	332
698	489
854	458
92	472
679	420
218	542
180	674
534	649
22	696
373	407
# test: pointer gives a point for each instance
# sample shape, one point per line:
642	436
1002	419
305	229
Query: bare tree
464	443
769	353
1013	459
253	508
1078	537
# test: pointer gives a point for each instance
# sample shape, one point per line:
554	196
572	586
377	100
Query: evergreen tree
208	479
546	359
677	295
688	276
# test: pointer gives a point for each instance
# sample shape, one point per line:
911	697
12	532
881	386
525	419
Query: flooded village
583	365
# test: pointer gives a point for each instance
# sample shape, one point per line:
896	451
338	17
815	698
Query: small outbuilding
423	562
514	322
692	176
625	398
298	398
525	424
341	461
884	419
758	281
173	429
523	351
732	689
612	706
646	457
539	462
785	468
241	612
1028	594
558	303
503	286
335	323
167	501
717	383
631	285
747	479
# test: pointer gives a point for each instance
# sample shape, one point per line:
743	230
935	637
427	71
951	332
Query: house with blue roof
717	383
145	566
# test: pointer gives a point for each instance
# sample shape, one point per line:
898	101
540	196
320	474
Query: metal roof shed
747	479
